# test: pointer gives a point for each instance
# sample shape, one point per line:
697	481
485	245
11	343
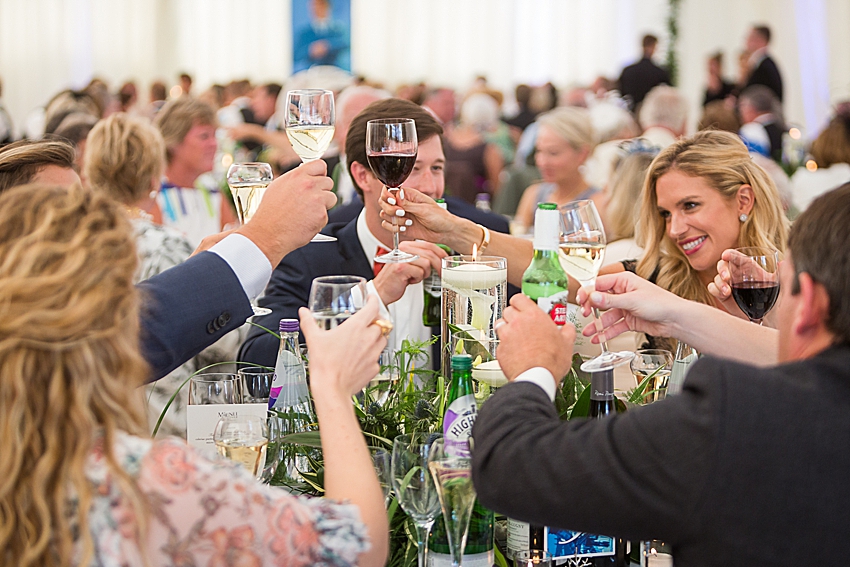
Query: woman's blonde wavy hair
69	366
722	160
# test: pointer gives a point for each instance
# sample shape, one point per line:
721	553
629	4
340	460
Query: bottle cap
289	325
547	226
461	362
442	203
482	196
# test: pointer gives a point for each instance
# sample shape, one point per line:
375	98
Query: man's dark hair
273	89
75	127
158	91
355	141
21	161
649	41
763	31
818	243
523	95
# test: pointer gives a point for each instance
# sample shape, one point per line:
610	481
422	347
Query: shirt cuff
540	376
383	312
247	261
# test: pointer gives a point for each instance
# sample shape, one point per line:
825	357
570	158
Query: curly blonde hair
722	160
69	367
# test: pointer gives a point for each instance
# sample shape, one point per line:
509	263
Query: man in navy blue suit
360	237
763	69
192	305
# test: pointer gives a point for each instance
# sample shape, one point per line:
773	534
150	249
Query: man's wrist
273	245
542	377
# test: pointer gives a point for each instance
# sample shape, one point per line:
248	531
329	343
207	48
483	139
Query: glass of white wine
244	439
655	364
333	299
309	122
248	182
581	253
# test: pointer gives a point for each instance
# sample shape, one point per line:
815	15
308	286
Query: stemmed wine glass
453	480
244	439
248	182
755	280
414	486
333	299
309	122
391	149
581	253
655	364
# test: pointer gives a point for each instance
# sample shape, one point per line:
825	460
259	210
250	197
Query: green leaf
500	559
303	438
582	405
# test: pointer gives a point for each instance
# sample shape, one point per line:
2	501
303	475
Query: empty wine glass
382	459
244	439
755	280
391	148
309	121
215	388
333	299
453	481
581	253
414	486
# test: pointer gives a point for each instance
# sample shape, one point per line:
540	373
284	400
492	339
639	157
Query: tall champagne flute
248	182
453	480
581	253
391	148
333	299
309	122
755	280
414	486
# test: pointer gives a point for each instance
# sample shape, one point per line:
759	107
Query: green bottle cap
440	200
461	362
548	206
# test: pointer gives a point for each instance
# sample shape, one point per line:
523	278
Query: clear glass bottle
482	202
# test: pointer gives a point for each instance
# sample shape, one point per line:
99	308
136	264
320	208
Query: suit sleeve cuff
247	261
540	376
383	312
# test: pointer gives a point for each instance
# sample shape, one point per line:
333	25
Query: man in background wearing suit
638	79
748	465
360	240
763	69
190	306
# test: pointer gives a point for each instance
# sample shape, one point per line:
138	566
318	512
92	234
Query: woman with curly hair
80	484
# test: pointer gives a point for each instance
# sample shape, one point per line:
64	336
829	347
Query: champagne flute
453	480
658	364
244	439
248	182
414	485
581	253
382	459
309	123
333	299
755	280
391	149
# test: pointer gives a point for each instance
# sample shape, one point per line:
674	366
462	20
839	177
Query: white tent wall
48	45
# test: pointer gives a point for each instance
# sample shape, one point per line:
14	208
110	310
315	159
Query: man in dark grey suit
638	79
192	305
763	69
747	466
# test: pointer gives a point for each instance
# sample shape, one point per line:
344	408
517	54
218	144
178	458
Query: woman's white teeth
693	243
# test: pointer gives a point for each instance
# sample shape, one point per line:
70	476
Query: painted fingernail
401	193
402	228
390	200
408	222
725	289
596	297
399	213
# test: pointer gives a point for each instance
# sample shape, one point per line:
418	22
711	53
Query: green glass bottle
433	289
544	281
461	411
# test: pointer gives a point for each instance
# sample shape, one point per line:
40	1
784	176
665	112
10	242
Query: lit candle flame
474	252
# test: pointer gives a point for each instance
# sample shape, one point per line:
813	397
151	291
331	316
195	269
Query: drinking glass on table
754	280
215	388
256	384
414	486
655	365
382	460
309	121
453	479
391	148
333	299
581	253
244	439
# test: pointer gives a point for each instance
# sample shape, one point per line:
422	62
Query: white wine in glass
243	439
309	122
248	182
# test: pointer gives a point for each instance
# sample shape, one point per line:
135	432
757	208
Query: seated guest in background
717	116
762	124
638	79
831	153
83	482
701	471
189	307
360	240
565	141
188	127
663	116
75	128
125	159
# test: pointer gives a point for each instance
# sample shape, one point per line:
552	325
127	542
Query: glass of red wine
755	280
391	148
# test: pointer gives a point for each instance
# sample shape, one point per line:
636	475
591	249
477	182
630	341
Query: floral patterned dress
212	513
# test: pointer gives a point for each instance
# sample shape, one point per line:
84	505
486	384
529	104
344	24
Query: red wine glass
391	148
755	280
